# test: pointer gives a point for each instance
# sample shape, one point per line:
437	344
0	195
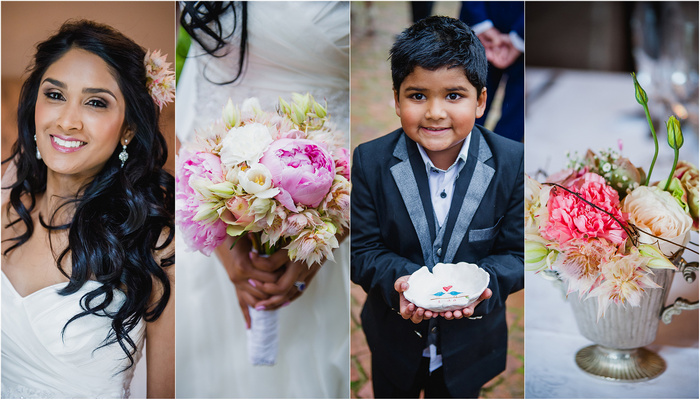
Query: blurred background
580	95
374	26
24	24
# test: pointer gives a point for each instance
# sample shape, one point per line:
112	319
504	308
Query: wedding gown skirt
313	359
39	362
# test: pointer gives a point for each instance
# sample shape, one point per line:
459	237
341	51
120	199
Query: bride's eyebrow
54	82
99	91
86	90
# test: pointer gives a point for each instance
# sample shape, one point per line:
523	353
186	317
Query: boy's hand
467	311
407	309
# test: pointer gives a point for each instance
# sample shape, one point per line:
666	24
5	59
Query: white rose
257	180
657	212
244	144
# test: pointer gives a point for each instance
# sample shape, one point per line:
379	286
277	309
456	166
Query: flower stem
670	176
656	144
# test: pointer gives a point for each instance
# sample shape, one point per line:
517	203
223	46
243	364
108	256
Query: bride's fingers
259	275
251	288
244	310
270	263
292	274
247	297
276	301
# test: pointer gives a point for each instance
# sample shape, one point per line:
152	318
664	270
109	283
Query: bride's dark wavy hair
120	216
202	21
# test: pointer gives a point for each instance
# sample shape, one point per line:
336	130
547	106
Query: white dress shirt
442	185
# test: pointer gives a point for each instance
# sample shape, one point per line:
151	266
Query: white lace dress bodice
39	360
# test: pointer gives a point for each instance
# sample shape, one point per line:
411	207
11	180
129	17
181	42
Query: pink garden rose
572	218
203	235
302	170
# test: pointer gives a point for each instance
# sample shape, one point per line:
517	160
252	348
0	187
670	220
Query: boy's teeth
68	143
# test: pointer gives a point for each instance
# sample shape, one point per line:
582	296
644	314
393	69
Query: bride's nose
70	118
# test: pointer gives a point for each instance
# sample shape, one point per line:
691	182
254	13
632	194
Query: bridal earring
123	156
38	155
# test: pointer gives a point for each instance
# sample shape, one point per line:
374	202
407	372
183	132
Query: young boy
439	189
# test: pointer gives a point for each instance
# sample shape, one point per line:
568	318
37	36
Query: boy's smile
437	110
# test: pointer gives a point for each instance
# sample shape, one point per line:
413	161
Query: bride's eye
53	95
97	103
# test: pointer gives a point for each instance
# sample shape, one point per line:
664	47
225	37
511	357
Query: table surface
577	110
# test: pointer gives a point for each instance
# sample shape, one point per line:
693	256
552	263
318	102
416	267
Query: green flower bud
657	259
320	110
223	189
284	107
639	93
675	135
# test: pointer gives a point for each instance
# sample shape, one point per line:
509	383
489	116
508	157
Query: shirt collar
462	155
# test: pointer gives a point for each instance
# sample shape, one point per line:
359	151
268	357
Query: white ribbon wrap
263	337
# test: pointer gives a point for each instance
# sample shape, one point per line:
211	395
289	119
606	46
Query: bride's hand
242	272
285	290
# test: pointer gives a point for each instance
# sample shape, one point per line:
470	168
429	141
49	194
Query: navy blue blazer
393	234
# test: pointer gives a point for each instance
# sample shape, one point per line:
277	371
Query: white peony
245	144
257	180
657	212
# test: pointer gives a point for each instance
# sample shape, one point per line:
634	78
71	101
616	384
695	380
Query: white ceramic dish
449	287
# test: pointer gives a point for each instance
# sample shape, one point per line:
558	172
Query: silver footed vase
621	334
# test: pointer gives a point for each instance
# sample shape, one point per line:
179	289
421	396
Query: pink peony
571	218
204	235
302	170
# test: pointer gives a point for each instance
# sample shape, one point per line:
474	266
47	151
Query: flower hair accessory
160	78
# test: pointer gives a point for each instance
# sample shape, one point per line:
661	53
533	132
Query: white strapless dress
292	48
38	362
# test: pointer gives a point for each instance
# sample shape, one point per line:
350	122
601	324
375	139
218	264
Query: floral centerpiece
281	175
604	228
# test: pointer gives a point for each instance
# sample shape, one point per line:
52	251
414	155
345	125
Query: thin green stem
656	143
675	162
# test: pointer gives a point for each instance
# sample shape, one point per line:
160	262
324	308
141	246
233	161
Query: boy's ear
481	103
397	107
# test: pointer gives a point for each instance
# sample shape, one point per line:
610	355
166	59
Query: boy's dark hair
437	42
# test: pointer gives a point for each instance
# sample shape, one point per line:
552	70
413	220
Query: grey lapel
406	182
477	188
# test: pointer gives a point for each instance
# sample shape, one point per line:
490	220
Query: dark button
434	329
439	251
443	194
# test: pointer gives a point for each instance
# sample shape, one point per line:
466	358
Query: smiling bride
87	228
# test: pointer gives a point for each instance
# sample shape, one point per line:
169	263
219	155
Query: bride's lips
65	144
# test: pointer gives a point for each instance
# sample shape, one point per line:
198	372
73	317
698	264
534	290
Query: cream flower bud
230	115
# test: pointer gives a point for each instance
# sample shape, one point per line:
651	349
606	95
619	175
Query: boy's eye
417	96
97	103
53	95
454	96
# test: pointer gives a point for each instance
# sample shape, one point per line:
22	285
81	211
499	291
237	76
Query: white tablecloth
574	111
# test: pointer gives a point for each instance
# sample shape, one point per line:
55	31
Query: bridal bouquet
604	228
283	176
